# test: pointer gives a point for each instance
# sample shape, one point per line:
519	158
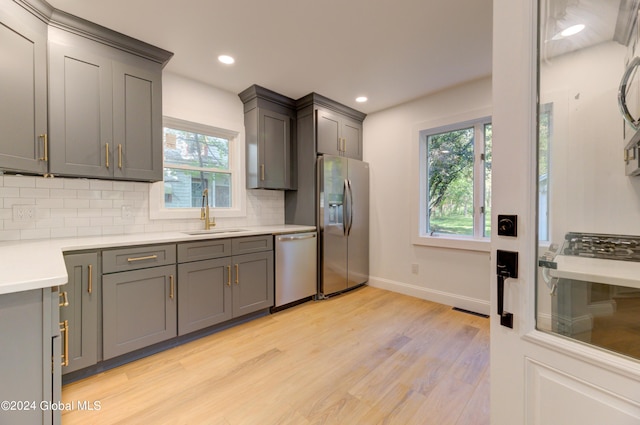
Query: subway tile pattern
66	207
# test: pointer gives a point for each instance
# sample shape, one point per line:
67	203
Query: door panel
358	216
352	133
137	123
274	149
333	176
23	85
327	132
252	283
80	107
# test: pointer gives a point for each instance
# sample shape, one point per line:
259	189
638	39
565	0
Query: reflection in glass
587	204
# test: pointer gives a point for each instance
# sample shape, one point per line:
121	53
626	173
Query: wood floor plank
366	357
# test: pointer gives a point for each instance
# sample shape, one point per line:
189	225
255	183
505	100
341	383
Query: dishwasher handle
296	238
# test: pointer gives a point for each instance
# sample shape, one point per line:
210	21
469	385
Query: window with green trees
196	158
457	187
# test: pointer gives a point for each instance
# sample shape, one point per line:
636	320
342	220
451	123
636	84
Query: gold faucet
204	211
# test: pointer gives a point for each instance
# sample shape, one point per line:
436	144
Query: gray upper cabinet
338	135
23	88
79	307
269	120
105	107
101	92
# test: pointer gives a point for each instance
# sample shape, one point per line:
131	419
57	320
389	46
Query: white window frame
420	236
157	209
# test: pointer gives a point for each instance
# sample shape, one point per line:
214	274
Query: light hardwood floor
365	357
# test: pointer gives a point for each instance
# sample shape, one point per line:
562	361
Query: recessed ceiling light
568	32
361	99
226	59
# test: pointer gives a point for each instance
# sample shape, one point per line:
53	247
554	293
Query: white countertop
611	272
26	265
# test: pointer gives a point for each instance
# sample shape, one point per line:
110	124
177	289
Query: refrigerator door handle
350	207
344	209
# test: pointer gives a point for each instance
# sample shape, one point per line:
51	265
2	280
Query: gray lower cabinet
30	357
139	298
23	85
215	285
139	308
105	110
79	308
204	295
252	282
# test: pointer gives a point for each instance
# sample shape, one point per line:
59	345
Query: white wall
451	276
85	207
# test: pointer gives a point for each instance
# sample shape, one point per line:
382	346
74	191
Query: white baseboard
454	300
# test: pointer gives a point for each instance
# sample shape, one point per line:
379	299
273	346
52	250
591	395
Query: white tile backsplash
68	207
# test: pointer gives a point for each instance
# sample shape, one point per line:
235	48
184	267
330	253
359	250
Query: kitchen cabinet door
29	358
337	135
81	112
137	123
269	139
352	134
274	150
252	282
204	294
328	133
23	89
82	296
139	309
106	111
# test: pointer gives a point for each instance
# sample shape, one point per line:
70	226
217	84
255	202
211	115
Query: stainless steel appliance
296	267
343	222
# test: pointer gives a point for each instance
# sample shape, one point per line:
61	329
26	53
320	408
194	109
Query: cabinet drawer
250	244
203	250
142	257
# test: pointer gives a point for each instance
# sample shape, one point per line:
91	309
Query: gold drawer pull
45	158
171	287
228	275
64	328
106	151
148	257
65	300
90	285
119	156
237	275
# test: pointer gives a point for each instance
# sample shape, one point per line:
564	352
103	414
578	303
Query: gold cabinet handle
262	172
148	257
64	328
344	144
171	287
90	284
228	275
65	300
237	281
106	152
119	156
45	146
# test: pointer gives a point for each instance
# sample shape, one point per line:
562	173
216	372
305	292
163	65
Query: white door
537	376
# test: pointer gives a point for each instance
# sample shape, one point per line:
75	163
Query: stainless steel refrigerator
343	223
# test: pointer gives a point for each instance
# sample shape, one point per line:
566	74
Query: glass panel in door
588	280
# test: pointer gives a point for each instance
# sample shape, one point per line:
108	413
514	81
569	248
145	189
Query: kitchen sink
213	232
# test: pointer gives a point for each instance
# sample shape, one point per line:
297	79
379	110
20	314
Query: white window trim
419	235
236	160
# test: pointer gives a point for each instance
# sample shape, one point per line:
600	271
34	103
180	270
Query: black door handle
506	267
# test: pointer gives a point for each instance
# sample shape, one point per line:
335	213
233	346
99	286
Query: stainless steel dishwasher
296	267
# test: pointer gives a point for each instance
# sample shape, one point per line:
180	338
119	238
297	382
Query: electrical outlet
414	268
126	211
24	212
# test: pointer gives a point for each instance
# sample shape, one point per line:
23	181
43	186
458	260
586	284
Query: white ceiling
391	51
